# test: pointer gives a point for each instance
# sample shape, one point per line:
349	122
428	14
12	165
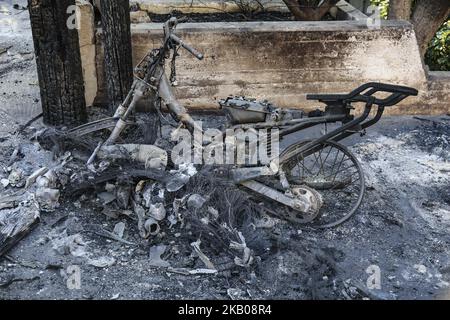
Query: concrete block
205	6
139	17
345	11
438	95
284	61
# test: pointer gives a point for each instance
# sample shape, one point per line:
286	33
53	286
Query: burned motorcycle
317	181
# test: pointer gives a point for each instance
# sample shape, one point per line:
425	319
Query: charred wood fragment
122	174
14	225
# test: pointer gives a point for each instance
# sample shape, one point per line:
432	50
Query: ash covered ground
402	227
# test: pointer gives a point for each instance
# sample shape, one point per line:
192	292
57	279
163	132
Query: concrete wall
343	10
220	6
438	93
283	61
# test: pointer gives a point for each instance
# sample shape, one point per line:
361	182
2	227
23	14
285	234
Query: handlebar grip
393	88
191	50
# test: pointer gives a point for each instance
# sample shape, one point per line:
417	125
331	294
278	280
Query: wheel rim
335	173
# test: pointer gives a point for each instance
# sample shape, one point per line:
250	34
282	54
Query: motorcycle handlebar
190	49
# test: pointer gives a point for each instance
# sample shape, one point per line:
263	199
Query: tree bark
428	17
58	62
400	9
303	10
118	55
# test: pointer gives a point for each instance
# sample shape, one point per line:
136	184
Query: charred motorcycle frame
316	181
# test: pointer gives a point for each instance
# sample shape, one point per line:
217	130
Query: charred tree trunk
309	10
400	9
117	43
58	61
427	18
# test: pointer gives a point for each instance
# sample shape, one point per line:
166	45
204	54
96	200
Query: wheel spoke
340	164
304	167
335	173
340	171
317	159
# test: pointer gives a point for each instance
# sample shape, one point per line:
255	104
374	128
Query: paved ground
402	230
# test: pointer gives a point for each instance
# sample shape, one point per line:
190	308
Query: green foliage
383	5
438	54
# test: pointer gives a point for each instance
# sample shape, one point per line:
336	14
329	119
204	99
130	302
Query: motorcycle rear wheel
333	171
